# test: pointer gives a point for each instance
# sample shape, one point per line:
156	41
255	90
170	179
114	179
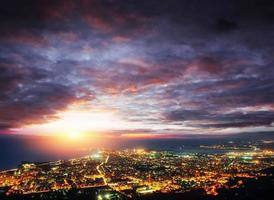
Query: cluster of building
52	176
139	172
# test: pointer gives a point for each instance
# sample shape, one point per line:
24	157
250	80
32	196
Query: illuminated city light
127	169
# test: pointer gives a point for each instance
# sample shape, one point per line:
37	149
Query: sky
136	68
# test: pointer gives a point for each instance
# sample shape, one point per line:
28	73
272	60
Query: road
101	172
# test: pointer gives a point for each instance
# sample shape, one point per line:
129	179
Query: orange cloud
27	38
120	39
97	23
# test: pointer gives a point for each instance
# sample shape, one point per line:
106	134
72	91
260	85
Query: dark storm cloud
217	102
30	95
208	63
236	119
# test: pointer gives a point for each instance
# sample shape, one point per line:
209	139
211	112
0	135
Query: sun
78	124
74	135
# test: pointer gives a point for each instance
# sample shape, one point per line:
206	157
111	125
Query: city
136	173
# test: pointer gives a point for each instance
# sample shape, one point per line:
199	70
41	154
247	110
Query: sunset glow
80	123
74	135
